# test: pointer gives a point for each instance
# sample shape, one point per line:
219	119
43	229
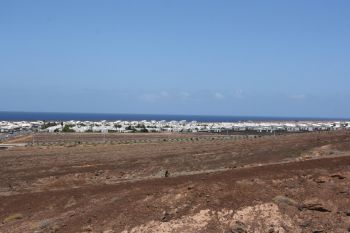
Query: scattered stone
44	224
340	177
71	202
305	224
286	200
320	180
166	174
239	227
108	231
166	217
87	228
314	207
71	213
163	173
121	174
54	228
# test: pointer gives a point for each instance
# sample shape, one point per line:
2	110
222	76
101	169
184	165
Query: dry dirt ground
288	183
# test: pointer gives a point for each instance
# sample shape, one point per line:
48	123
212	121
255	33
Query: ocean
33	116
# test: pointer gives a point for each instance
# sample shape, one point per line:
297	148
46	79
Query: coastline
61	116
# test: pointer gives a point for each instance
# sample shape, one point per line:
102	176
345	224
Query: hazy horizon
20	115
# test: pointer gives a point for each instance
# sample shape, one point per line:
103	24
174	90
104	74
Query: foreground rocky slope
294	183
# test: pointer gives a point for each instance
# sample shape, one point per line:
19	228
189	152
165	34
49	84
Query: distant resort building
170	126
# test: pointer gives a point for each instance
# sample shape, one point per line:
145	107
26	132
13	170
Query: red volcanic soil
288	183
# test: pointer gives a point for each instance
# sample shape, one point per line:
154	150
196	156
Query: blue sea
32	116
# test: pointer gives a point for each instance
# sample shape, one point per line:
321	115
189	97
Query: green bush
144	130
67	129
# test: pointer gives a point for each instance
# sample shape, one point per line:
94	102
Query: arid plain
177	183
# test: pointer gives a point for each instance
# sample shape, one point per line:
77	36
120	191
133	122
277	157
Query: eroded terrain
287	183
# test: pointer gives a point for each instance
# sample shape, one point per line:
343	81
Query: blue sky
264	58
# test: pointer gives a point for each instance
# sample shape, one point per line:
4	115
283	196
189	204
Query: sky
243	58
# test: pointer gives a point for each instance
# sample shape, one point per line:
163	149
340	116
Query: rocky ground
287	183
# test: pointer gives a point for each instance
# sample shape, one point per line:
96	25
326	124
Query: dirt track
291	183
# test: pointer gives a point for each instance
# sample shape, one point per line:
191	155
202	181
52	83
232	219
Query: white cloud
150	98
164	93
298	96
184	94
219	95
238	94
